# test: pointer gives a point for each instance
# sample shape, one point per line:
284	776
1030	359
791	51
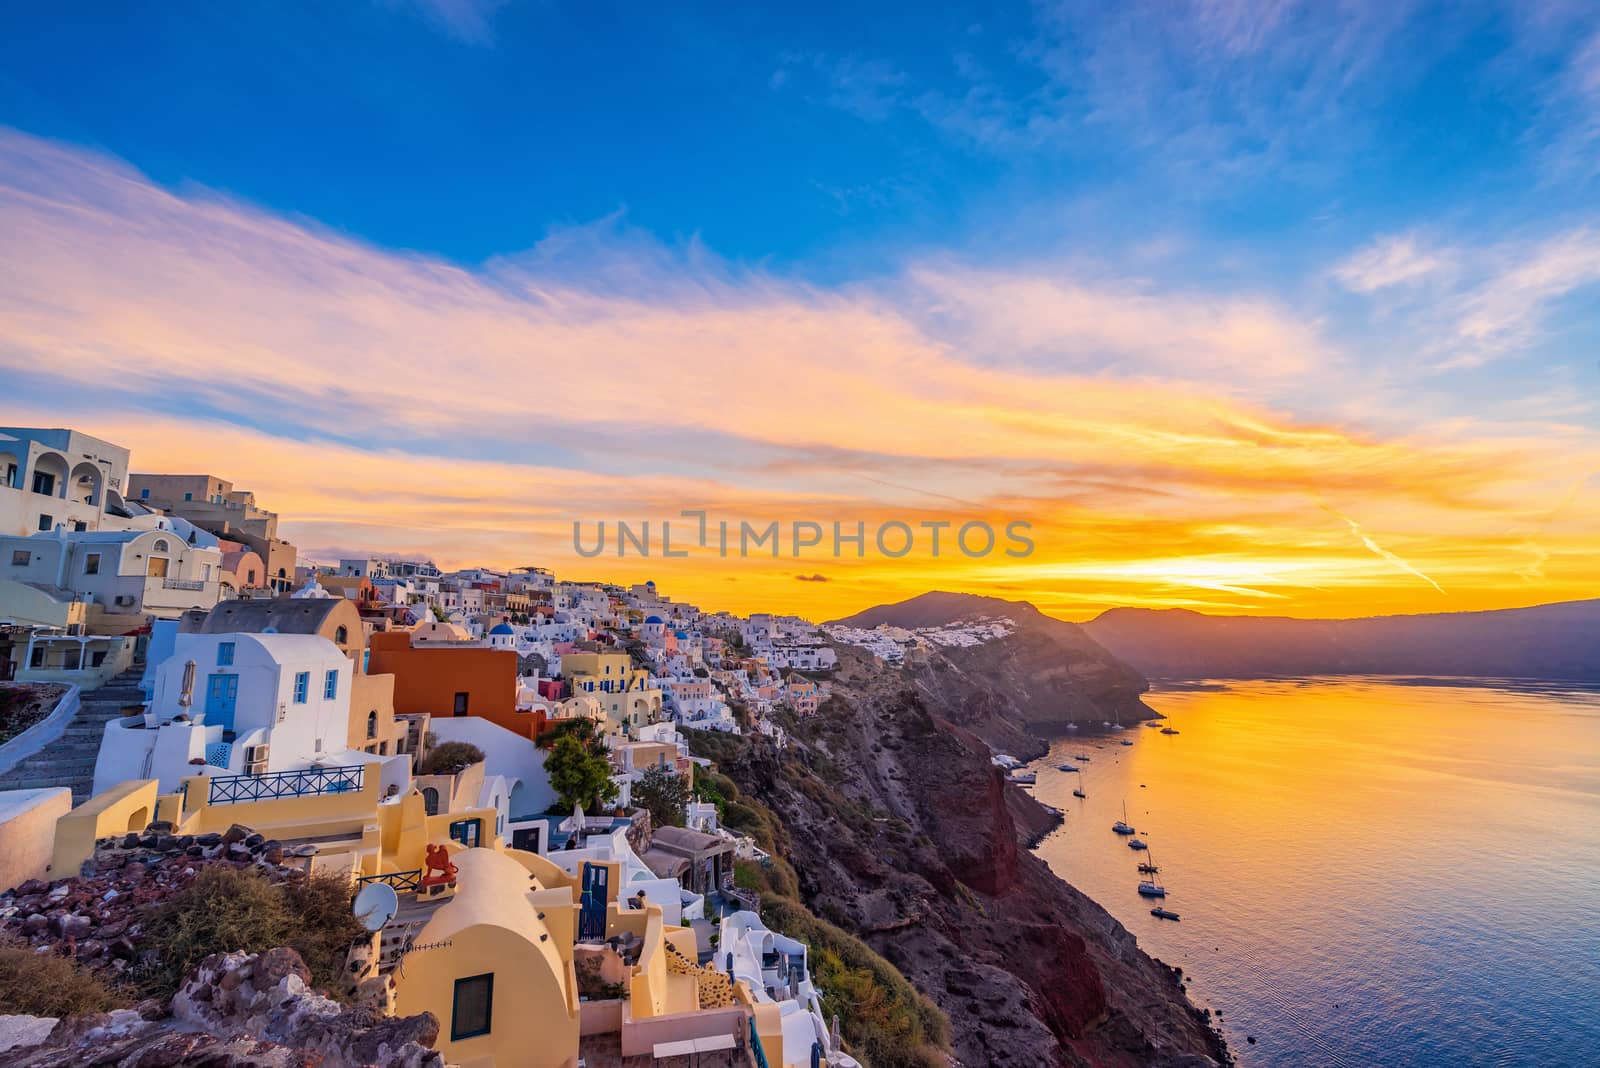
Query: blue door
592	906
221	693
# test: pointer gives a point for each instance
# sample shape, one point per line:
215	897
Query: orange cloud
1160	443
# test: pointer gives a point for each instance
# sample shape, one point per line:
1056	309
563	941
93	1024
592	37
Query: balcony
182	584
308	782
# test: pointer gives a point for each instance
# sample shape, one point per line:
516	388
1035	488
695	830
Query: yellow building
622	689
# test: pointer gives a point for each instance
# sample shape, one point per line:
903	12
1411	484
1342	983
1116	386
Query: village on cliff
203	697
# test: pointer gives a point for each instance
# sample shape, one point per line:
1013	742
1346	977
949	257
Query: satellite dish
376	905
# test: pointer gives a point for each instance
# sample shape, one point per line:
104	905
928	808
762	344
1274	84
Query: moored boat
1163	914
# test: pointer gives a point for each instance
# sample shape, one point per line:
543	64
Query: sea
1368	871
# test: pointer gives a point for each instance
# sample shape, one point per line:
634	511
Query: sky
1245	307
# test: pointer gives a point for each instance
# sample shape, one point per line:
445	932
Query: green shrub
227	910
224	910
41	984
885	1022
448	758
325	926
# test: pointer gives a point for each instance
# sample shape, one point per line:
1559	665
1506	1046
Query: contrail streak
1378	550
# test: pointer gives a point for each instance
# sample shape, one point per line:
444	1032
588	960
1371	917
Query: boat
1079	792
1150	886
1153	723
1072	726
1135	844
1169	730
1126	742
1121	826
1066	767
1024	778
1081	756
1163	914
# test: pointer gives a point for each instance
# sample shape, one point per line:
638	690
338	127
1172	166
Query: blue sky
833	139
1229	276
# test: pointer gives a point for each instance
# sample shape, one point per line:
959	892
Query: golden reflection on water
1357	860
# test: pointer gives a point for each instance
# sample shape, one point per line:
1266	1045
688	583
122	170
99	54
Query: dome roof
652	619
681	635
502	628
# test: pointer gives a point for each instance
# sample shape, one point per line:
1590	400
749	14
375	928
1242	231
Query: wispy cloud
1391	261
409	404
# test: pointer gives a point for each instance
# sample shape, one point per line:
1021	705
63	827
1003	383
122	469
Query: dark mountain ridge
1551	642
1045	674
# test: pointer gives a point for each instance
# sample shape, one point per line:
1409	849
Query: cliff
902	832
1553	642
1045	674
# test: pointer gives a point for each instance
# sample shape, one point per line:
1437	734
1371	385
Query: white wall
506	754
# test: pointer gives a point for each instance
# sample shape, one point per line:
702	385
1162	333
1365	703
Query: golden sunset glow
1176	450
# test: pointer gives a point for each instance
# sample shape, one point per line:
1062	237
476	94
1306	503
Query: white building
125	572
52	477
237	704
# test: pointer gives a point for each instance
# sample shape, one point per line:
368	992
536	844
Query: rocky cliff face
902	832
1045	673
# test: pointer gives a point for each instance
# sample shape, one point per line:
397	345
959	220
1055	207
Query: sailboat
1122	826
1078	790
1151	886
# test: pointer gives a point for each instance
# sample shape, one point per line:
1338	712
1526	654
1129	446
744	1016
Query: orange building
445	680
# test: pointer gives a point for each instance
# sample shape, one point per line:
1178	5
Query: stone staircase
69	761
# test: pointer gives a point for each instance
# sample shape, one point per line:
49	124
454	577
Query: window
71	658
225	654
46	522
44	482
144	494
430	800
188	496
80	526
302	683
20	557
36	659
461	704
372	724
97	658
466	832
250	577
330	685
160	546
471	1008
341	635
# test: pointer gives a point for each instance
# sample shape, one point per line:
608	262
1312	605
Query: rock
255	840
72	925
236	833
274	964
21	1032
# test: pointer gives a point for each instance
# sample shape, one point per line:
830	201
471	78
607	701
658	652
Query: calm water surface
1369	871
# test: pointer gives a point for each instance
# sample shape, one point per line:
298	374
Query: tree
665	793
579	776
449	758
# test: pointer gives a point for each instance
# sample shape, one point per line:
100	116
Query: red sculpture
440	871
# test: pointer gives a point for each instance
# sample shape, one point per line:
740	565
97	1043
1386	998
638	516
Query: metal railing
755	1045
400	880
308	782
182	584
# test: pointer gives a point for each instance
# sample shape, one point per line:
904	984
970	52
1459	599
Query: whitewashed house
237	704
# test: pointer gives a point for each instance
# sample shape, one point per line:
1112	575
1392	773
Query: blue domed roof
682	635
502	628
652	619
